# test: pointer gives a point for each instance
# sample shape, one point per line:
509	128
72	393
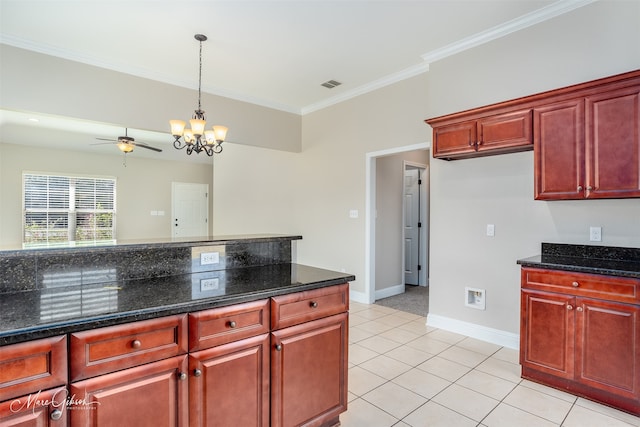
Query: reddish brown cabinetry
589	147
309	357
581	332
33	376
229	375
460	136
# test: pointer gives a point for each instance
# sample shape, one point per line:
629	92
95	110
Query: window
68	209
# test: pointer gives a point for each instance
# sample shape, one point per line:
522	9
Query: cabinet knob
182	376
589	188
136	344
197	372
278	347
569	307
55	415
575	284
579	309
313	304
232	324
579	187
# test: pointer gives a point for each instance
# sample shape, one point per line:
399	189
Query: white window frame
69	206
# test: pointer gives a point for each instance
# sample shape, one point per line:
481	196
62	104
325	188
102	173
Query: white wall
591	42
141	187
389	235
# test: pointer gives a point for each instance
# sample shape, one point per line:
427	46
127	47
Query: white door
411	226
189	209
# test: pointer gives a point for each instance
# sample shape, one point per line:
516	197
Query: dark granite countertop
55	310
607	260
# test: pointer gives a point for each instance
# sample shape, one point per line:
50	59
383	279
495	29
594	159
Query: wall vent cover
330	84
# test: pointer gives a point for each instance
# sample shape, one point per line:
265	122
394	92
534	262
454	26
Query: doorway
189	209
369	294
415	224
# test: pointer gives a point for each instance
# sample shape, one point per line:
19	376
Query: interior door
411	226
189	209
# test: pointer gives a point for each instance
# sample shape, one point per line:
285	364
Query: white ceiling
271	53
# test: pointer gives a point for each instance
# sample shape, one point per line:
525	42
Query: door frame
368	297
423	248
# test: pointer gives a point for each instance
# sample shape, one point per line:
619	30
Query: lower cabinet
309	373
229	384
39	409
155	394
588	346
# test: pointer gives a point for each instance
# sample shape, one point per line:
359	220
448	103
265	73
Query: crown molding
548	12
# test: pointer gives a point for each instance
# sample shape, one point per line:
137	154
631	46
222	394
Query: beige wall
389	236
142	186
312	192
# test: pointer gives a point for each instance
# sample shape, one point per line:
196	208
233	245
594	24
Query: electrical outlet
208	258
209	284
491	230
595	234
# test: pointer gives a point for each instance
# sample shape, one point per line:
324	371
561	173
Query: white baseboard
484	333
360	297
389	292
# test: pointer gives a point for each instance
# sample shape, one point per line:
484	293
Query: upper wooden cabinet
465	136
589	147
585	137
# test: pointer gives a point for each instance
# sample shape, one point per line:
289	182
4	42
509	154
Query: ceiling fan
126	144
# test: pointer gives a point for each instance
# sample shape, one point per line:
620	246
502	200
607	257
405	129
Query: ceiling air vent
331	84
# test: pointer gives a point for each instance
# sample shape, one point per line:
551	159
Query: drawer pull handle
569	307
182	376
278	347
55	415
579	309
136	344
197	372
232	324
313	304
579	188
575	284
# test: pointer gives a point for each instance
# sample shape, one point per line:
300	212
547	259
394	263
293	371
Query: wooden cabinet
460	136
154	394
33	377
229	384
37	409
589	147
229	375
581	333
309	357
273	362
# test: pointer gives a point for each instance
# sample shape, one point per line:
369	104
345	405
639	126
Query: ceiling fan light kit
197	138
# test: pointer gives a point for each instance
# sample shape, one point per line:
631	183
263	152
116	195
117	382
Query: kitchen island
224	330
580	322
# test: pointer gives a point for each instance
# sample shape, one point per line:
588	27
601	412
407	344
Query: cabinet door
455	139
32	411
608	346
559	150
309	372
547	333
506	131
229	384
149	395
613	144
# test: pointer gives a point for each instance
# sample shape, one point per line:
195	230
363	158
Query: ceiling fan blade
104	143
107	139
148	147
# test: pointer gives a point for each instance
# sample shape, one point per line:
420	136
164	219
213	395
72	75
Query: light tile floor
404	373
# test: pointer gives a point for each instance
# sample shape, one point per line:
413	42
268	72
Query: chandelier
197	138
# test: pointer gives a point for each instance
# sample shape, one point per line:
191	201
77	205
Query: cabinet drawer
223	325
622	289
118	347
40	408
32	366
300	307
